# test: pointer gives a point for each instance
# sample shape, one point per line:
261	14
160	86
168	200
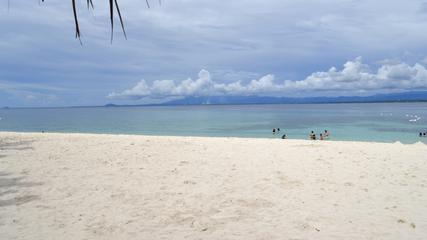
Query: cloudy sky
200	47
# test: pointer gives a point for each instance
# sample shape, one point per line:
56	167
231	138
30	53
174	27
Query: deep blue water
384	122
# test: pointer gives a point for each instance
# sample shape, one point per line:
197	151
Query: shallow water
383	122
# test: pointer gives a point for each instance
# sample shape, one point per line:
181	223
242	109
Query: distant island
414	96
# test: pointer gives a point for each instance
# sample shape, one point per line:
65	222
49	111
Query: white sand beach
82	186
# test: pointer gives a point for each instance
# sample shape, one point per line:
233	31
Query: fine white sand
80	186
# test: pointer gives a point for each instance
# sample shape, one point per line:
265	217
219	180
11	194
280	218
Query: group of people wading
312	135
322	136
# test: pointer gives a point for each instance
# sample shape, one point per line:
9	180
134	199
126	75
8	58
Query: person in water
326	134
274	130
278	129
312	135
284	136
321	136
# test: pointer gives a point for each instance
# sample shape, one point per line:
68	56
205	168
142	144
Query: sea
378	122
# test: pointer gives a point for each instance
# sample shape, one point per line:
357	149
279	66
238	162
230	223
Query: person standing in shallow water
326	134
274	130
312	135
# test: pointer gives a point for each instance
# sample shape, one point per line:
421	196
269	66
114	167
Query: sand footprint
189	182
402	221
285	182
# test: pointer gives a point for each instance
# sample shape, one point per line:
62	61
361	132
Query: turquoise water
383	122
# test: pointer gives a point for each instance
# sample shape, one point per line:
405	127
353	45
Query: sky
187	48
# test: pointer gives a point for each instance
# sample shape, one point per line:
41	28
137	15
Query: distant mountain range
394	97
418	96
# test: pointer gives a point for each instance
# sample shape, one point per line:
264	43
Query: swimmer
312	135
326	134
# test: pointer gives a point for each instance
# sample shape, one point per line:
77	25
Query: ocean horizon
376	122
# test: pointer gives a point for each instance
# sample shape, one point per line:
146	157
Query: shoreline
219	137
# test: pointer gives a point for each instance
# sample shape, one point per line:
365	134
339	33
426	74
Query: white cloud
357	76
167	88
354	77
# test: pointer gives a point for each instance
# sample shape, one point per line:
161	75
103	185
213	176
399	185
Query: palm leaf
112	4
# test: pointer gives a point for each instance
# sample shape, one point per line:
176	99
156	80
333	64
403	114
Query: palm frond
112	4
76	22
